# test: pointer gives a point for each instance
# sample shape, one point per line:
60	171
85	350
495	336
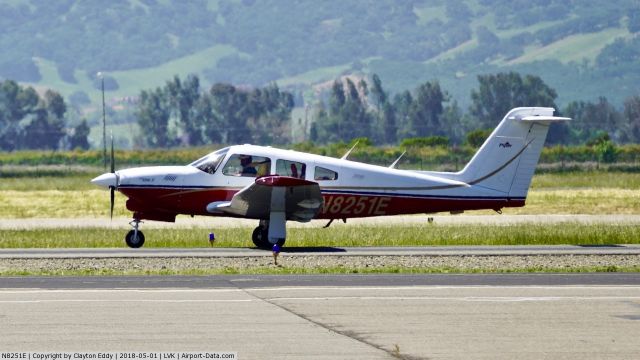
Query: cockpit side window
211	162
247	166
291	168
325	174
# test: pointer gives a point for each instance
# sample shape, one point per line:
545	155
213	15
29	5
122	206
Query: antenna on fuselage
393	166
344	157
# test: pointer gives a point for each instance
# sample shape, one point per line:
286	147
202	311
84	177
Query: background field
74	196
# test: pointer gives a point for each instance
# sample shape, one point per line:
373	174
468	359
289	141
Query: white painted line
118	290
446	287
498	299
123	301
462	299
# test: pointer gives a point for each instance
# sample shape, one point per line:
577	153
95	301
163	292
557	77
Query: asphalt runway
522	250
529	316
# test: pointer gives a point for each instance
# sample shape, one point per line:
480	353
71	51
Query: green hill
583	49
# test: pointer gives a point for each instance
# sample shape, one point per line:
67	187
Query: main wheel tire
134	241
260	238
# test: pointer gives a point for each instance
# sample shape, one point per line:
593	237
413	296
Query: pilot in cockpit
246	161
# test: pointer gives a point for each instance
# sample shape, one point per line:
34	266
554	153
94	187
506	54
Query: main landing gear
260	236
135	237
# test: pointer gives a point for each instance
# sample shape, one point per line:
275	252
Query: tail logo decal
473	182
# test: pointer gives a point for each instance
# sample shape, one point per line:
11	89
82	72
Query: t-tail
508	158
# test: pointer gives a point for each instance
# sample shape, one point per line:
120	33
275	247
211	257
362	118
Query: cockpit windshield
210	163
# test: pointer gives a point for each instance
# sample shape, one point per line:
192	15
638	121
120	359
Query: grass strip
338	236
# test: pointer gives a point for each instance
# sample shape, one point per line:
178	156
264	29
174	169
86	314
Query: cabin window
325	174
247	166
210	163
291	168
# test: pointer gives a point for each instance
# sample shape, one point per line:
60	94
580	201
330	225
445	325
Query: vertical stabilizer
508	158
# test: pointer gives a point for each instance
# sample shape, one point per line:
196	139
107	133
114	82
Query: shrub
431	141
607	152
476	138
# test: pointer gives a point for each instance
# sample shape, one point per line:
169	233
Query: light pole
104	122
306	122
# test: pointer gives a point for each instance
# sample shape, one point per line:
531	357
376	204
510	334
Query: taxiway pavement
529	316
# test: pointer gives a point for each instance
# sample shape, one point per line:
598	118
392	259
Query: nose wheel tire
260	238
134	239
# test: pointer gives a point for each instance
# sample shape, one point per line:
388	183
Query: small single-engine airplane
275	186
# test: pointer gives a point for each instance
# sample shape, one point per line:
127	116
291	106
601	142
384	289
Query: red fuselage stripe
336	205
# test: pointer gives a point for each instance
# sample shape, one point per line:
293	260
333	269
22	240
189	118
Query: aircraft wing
299	199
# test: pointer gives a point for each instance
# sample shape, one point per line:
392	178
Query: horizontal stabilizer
542	118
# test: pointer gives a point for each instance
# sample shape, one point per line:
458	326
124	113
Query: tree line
356	109
31	121
180	114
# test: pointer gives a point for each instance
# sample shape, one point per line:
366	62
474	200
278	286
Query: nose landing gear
135	237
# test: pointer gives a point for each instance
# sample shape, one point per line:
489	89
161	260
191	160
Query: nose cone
106	180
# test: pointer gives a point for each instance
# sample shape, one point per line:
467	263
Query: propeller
113	171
